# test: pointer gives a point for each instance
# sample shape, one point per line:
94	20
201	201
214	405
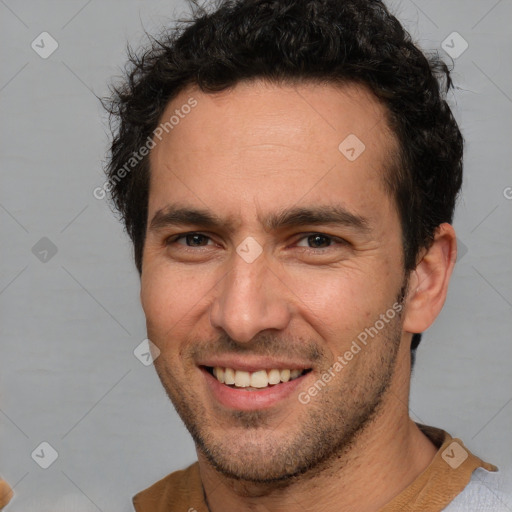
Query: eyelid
301	236
333	238
177	236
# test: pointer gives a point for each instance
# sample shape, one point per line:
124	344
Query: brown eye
196	240
190	240
319	241
315	241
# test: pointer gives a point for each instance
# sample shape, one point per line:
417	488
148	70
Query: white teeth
294	374
229	376
242	379
258	379
274	376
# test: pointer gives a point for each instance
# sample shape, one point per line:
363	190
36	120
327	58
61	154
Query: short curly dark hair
328	41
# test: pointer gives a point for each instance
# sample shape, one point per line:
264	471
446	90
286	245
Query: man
287	171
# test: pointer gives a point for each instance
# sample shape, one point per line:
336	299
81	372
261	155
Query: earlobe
428	283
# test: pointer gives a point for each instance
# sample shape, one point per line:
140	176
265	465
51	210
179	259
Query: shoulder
180	490
485	492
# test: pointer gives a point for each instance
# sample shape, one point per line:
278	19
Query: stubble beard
325	429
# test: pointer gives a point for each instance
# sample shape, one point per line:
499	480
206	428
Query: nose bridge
250	299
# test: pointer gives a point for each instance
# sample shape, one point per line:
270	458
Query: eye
190	240
317	241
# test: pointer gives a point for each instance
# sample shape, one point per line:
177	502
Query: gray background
68	375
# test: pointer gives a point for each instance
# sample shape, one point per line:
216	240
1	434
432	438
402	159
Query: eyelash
333	240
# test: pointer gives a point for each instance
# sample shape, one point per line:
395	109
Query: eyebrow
317	215
293	217
176	216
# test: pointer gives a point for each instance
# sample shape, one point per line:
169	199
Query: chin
252	464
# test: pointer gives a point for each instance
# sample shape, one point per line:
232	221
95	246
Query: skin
5	493
244	154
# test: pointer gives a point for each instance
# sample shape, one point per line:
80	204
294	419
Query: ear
428	282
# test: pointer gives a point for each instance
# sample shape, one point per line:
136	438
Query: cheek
170	298
342	302
158	298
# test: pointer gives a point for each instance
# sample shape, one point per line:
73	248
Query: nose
251	298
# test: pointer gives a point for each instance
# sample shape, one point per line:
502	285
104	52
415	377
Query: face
270	255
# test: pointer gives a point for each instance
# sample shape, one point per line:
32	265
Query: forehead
271	144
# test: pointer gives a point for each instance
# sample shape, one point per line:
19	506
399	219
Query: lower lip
243	400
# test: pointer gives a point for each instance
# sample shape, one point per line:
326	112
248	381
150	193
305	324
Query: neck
383	460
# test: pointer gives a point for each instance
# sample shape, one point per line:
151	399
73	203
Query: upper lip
253	364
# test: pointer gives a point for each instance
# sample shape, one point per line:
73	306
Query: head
248	116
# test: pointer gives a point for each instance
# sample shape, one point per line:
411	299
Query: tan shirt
444	478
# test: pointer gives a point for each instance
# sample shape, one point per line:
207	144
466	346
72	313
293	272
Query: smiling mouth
254	381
